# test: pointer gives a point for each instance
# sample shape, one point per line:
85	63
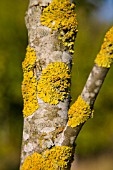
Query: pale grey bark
42	126
89	94
93	84
40	130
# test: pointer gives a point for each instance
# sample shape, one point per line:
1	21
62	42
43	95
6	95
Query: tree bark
47	133
43	128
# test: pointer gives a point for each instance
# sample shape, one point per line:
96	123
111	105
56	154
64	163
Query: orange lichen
105	56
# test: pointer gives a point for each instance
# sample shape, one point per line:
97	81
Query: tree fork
50	130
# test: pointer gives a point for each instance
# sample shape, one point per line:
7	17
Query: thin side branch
89	94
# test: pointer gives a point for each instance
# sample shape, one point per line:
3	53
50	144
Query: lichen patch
79	112
54	83
29	84
105	56
58	157
60	15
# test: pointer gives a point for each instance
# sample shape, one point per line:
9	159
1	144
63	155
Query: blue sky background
105	12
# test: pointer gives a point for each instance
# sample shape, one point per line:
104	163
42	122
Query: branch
47	136
91	89
89	94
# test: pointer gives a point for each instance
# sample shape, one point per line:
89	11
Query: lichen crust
54	83
29	84
60	15
79	112
105	56
56	158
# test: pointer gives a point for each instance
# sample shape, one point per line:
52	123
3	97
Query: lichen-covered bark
50	130
43	127
89	94
91	89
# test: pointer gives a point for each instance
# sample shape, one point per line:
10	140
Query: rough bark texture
48	127
43	128
93	84
89	94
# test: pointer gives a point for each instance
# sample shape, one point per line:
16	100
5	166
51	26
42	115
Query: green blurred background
96	137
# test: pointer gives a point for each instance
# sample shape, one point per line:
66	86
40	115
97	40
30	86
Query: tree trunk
48	134
48	58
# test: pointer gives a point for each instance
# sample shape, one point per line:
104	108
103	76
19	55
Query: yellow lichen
79	112
105	56
60	15
29	60
54	83
33	162
60	156
56	158
29	84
